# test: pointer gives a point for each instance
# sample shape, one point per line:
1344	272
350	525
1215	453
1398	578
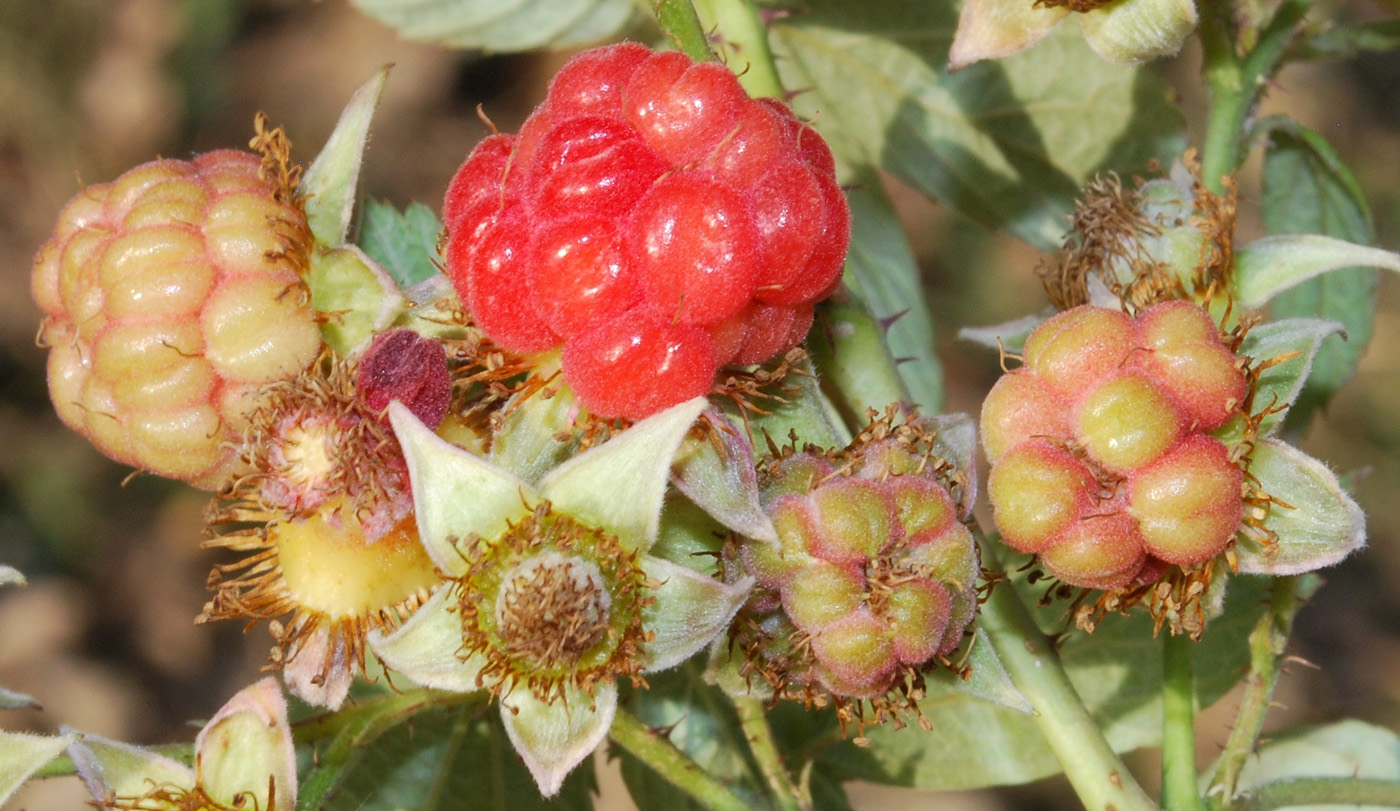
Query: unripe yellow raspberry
170	296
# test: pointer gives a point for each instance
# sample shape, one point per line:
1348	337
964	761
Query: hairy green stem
1235	83
743	42
1094	770
1329	791
1179	791
850	355
662	757
753	718
682	26
1266	647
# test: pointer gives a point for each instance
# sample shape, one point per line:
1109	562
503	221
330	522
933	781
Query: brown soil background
89	88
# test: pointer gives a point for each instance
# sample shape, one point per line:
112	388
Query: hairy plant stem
1094	770
743	42
1236	82
1267	643
1329	791
753	718
1179	791
682	26
662	757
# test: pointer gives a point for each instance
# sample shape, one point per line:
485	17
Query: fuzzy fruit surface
648	212
872	564
1103	463
170	296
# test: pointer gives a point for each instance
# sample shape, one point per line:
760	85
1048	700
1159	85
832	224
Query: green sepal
1272	264
357	297
425	649
329	183
689	611
1292	343
722	480
552	738
986	678
107	766
620	484
22	754
1318	524
456	494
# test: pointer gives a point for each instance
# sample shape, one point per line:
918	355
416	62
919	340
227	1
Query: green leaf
330	181
1268	266
1350	748
987	679
1117	670
1291	345
22	754
504	25
880	268
1006	143
1318	524
403	244
700	722
1307	190
448	759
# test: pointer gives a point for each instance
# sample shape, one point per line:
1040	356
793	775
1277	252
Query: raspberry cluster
873	567
653	220
1103	463
170	296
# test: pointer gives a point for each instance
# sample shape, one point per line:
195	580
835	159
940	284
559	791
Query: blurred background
103	634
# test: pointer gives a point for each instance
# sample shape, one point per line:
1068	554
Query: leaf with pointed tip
22	754
329	183
1292	343
620	484
1270	265
1307	189
881	269
107	766
1320	525
987	679
425	648
552	738
1004	143
403	244
449	758
722	480
357	297
690	610
504	25
456	495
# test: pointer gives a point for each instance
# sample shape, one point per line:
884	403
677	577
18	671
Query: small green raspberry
171	295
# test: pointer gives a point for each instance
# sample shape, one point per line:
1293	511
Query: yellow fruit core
328	566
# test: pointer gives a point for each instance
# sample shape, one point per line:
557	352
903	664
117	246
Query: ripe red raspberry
170	296
1102	464
650	211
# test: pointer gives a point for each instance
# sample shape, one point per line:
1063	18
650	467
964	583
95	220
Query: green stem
1235	84
850	355
744	40
1267	643
1329	791
682	26
1179	791
754	721
1094	770
661	756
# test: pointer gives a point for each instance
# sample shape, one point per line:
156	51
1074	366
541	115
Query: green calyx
553	603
